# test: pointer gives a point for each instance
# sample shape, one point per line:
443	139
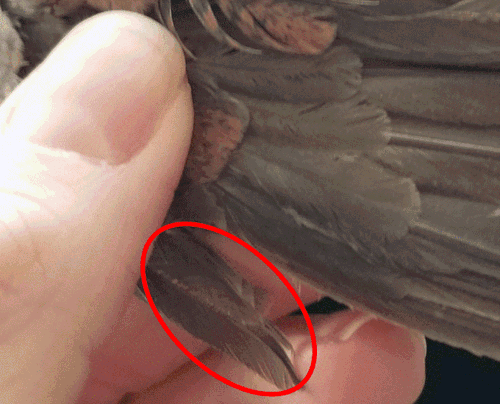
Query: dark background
453	376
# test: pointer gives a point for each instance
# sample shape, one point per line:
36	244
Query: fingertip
103	91
380	363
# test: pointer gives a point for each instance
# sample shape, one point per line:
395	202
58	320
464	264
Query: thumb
92	147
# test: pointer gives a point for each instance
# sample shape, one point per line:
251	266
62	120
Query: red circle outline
272	267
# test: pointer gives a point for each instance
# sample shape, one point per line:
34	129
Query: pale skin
93	145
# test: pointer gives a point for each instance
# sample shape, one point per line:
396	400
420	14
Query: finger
380	363
136	354
139	353
93	145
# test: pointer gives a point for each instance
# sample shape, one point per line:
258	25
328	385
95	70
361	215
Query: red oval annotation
271	266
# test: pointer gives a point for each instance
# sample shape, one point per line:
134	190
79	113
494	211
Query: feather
459	97
336	75
184	273
352	124
404	7
403	222
466	33
293	27
221	120
434	266
297	155
11	48
206	16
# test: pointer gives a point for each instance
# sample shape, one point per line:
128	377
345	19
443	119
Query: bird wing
465	33
401	219
192	286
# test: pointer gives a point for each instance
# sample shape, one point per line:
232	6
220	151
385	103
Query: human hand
93	145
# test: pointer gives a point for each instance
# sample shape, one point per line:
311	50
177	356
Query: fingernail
344	326
103	90
419	339
337	328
